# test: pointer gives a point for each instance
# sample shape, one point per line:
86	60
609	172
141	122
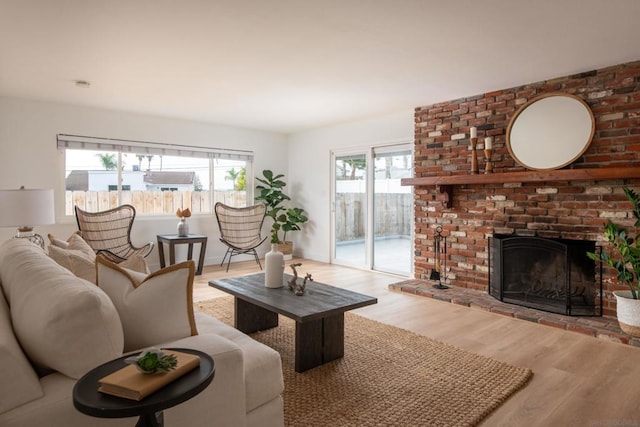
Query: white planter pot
628	313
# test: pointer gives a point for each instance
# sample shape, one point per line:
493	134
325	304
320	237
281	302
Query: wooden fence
393	215
152	202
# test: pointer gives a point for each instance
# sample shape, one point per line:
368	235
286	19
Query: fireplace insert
553	275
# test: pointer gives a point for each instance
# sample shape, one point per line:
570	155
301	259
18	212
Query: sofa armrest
20	383
222	403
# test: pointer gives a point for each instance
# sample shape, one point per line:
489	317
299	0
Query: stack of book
130	383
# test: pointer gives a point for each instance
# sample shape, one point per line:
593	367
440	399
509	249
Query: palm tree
241	184
108	161
355	165
232	175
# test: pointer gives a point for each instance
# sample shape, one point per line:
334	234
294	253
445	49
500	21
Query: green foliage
271	193
108	161
241	183
624	253
156	361
293	218
239	178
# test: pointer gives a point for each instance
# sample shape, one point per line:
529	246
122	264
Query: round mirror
550	131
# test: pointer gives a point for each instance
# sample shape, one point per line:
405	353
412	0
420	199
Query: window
101	174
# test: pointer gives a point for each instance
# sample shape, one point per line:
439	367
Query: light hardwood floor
578	380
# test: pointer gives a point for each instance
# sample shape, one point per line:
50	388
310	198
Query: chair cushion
154	308
62	322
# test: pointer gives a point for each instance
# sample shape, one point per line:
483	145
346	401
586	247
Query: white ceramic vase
183	227
273	268
628	311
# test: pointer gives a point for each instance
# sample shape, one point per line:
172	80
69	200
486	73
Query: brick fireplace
558	209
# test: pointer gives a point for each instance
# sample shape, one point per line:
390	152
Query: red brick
617	142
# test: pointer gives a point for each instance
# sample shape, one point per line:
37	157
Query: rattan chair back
109	232
240	229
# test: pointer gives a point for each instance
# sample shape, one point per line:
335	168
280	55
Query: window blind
78	142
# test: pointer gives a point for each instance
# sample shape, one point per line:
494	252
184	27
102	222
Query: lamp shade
26	207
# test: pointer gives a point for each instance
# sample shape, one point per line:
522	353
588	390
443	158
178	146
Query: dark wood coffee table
319	314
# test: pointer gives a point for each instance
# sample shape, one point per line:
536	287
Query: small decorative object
439	272
474	154
488	149
152	361
273	267
183	225
297	288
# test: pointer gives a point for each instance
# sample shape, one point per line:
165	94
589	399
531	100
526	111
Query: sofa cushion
75	261
54	241
76	242
62	322
262	364
15	369
154	308
76	255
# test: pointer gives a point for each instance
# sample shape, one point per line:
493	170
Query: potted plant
624	256
284	218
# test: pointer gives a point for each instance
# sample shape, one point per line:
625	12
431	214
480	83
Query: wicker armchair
109	232
240	229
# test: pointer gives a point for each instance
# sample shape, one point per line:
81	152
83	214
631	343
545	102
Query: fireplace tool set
439	272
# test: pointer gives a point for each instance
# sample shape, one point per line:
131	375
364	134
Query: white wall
309	179
29	157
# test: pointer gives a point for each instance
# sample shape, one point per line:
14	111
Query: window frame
75	142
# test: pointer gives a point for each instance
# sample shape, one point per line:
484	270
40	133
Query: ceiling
292	65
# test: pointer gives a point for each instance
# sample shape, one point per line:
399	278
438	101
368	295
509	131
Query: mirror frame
581	146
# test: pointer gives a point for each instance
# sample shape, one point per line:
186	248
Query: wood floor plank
578	380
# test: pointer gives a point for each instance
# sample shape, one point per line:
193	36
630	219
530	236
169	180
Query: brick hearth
605	327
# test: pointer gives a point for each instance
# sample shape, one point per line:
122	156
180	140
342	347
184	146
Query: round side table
88	400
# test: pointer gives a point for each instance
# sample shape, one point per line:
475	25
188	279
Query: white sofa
54	327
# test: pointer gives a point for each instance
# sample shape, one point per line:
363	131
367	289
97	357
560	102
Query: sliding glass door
350	209
392	211
372	213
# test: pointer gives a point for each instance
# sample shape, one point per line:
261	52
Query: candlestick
488	166
474	155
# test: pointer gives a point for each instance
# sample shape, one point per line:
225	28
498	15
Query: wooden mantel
444	183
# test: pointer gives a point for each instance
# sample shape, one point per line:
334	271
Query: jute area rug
387	377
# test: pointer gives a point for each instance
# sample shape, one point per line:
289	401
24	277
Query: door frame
368	151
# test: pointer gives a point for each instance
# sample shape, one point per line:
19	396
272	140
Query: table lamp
25	208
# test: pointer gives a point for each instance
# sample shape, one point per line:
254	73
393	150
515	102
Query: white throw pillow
54	241
76	242
77	261
62	322
77	256
153	308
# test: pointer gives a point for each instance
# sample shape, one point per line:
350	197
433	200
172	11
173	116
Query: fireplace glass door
553	275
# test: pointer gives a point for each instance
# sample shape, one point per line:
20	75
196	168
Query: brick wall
572	210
